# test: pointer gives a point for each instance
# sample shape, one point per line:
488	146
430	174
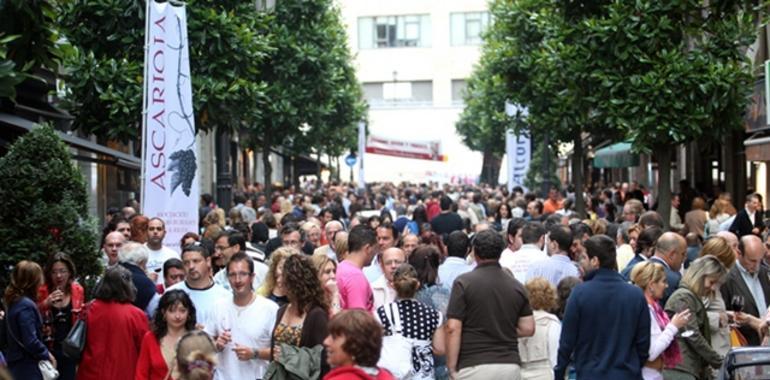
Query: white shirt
518	262
260	273
157	258
250	326
383	294
205	300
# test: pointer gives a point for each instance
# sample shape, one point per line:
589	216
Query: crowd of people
408	282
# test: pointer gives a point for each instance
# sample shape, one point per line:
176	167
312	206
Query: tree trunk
224	170
663	155
577	175
318	168
490	168
268	167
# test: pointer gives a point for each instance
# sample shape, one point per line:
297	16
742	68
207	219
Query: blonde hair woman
716	309
664	350
327	274
700	282
273	287
538	353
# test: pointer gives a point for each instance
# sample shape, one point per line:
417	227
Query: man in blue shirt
606	326
559	265
458	247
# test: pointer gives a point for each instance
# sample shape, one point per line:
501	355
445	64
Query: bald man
382	288
670	251
112	243
749	279
330	231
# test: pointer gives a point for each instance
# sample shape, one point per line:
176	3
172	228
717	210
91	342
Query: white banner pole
145	87
361	154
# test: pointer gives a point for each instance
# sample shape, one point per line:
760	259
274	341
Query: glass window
458	90
468	28
407	93
393	31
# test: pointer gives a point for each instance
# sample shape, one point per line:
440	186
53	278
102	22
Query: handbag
47	370
396	353
75	342
736	338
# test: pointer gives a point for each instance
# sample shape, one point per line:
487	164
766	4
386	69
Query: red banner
421	150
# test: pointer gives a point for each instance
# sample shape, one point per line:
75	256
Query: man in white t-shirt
199	284
244	325
156	232
518	262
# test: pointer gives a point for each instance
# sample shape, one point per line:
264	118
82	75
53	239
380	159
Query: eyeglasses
221	247
234	275
60	272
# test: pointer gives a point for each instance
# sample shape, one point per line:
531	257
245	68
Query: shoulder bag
75	342
396	353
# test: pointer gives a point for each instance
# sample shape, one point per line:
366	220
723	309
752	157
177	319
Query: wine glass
737	303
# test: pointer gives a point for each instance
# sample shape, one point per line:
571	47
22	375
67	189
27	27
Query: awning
617	155
116	158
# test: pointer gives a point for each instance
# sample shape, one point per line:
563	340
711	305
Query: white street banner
518	151
169	180
421	150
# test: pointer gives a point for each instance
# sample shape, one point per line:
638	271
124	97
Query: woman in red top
353	347
60	300
174	318
115	329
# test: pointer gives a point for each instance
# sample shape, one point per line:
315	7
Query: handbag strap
395	318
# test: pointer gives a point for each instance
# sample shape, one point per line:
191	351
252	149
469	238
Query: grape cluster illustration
182	164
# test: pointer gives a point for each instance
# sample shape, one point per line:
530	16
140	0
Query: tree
44	205
483	122
104	85
537	176
29	42
673	72
309	81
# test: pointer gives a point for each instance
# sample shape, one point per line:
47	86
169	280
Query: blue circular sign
350	160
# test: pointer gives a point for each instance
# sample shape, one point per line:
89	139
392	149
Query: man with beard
244	325
199	284
156	232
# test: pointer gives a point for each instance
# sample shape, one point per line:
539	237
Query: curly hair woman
302	322
174	318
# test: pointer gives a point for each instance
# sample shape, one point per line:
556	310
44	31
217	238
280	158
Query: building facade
412	59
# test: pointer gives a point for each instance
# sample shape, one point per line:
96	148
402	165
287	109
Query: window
390	94
393	31
458	90
468	28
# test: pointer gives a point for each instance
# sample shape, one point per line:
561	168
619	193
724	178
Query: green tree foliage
535	179
654	73
309	80
29	41
104	85
44	205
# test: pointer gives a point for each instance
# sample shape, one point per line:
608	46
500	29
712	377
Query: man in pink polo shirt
355	292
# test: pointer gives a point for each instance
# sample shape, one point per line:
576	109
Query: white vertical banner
361	154
518	152
170	184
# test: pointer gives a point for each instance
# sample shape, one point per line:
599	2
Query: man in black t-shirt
488	309
447	221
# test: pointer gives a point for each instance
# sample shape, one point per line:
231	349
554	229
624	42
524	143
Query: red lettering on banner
159	23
